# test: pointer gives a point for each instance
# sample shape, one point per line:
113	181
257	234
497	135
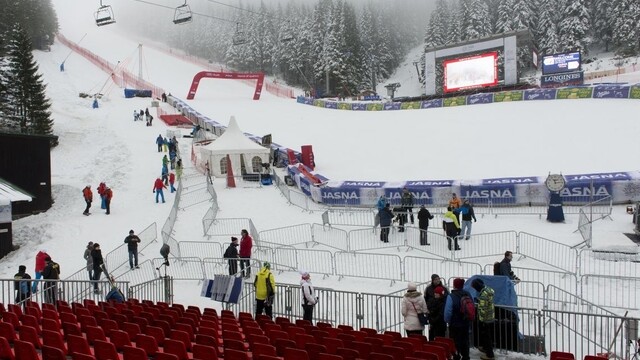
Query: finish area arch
259	77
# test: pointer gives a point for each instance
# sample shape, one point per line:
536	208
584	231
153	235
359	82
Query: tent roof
233	140
11	192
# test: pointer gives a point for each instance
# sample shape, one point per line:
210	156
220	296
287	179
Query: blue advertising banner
540	94
479	99
611	92
358	106
427	104
573	78
495	193
561	63
372	97
598	176
340	195
331	105
305	185
428	183
584	192
421	195
392	106
308	101
518	180
300	99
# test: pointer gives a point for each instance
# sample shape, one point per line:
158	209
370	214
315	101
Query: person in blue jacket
159	142
386	216
379	205
458	326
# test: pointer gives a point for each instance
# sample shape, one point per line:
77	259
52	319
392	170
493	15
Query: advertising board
561	63
471	72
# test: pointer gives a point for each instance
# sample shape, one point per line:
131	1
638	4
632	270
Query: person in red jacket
101	188
157	188
108	194
172	180
88	198
246	243
40	264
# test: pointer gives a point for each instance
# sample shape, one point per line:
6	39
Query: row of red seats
561	355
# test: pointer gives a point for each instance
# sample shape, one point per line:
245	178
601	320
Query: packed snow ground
105	144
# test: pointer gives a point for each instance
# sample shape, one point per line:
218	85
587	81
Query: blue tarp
505	292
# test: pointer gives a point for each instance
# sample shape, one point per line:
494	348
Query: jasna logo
416	194
361	183
497	193
585	191
598	176
429	183
510	181
340	195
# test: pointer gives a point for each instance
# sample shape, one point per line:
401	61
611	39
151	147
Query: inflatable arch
224	75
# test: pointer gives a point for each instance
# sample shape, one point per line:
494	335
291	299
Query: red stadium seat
134	353
204	352
7	331
5	349
120	339
330	357
30	335
379	356
106	351
25	350
52	353
295	354
263	349
79	356
95	333
78	344
561	355
54	339
148	343
177	348
231	354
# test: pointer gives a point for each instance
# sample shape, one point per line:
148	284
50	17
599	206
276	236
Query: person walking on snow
165	175
108	195
165	145
407	202
265	285
165	161
96	255
157	188
136	116
40	265
413	304
88	198
89	259
423	223
451	227
179	168
466	210
172	180
132	242
159	142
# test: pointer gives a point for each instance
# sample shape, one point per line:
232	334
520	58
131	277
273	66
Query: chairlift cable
194	13
72	51
249	11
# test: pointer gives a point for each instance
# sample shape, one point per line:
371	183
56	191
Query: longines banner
572	78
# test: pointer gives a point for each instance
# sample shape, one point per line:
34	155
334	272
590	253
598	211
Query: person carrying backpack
458	314
486	317
22	285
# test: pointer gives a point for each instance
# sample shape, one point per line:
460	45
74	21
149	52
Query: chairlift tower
391	89
140	62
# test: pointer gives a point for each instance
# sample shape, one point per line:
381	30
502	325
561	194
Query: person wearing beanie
435	282
51	271
132	242
437	325
486	317
22	286
386	217
423	223
308	296
413	304
231	254
89	259
458	325
265	286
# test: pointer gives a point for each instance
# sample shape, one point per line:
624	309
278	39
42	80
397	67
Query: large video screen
471	72
560	63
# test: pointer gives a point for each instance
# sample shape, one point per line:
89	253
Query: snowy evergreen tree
261	40
547	33
474	19
438	29
603	21
626	31
574	28
28	105
505	16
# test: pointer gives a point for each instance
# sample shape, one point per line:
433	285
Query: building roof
12	192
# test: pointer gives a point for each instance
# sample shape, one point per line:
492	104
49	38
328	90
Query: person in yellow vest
265	285
451	227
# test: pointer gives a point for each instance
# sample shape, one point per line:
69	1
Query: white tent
242	151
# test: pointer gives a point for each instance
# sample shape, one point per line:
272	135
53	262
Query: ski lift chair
104	15
183	14
239	37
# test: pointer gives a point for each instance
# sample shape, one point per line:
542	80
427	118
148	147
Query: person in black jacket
132	242
386	216
437	325
231	254
96	255
22	285
50	272
429	291
407	204
505	267
423	223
